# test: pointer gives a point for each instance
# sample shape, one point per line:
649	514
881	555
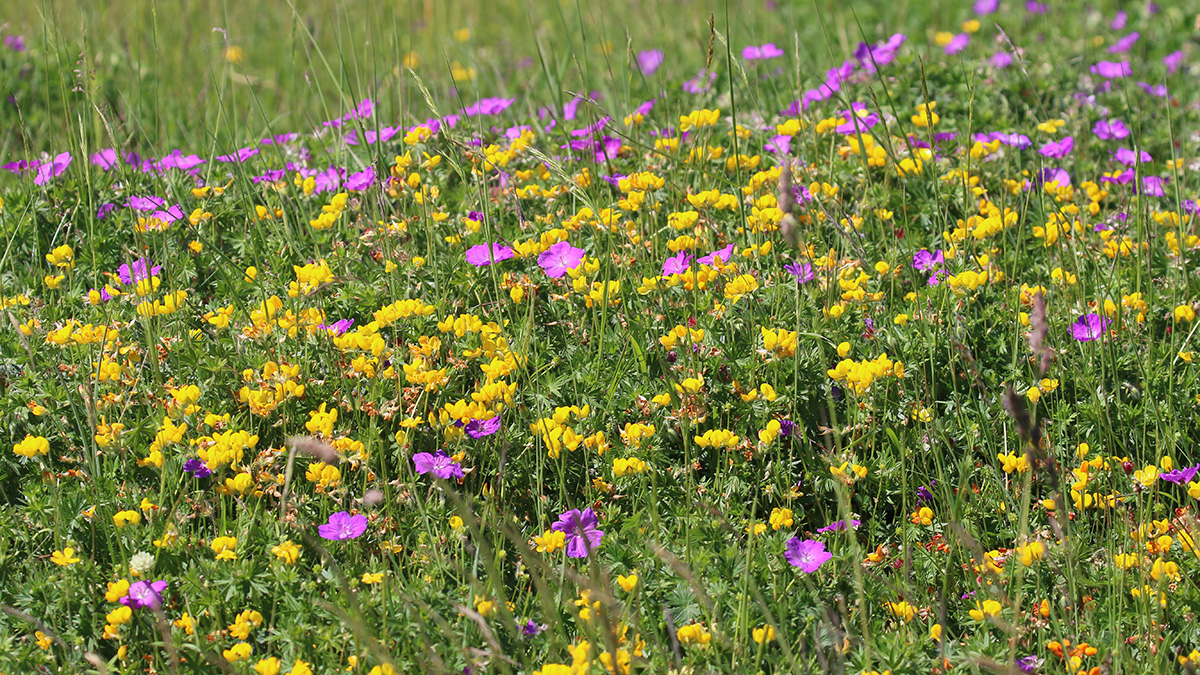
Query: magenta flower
1111	69
803	272
479	428
439	464
481	255
1172	61
488	107
1124	44
763	53
838	526
985	7
559	258
958	43
649	61
140	270
144	595
1000	60
1089	327
1180	476
722	254
342	526
1058	149
238	157
360	181
808	554
676	264
1107	130
105	159
581	531
924	260
1118	22
53	169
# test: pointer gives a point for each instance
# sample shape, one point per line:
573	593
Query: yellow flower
42	641
627	583
32	446
123	518
62	257
935	632
238	652
763	634
369	578
186	623
64	557
781	518
268	666
117	590
550	541
693	634
287	551
119	616
484	606
300	668
985	609
224	547
456	522
1184	313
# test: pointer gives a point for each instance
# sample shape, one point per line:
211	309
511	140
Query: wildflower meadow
564	338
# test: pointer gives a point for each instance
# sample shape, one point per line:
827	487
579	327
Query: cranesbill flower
676	264
1089	327
1000	60
803	272
1180	476
1128	157
958	43
52	169
1058	149
144	203
923	259
140	270
481	256
700	83
532	629
480	428
1107	130
1119	21
342	526
1123	45
838	526
808	554
559	258
722	254
105	159
581	530
439	464
238	157
649	61
1153	186
361	180
197	468
337	328
1159	90
104	210
1172	61
763	53
144	595
488	107
1112	69
985	7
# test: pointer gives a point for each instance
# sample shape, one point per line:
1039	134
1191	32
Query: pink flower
343	526
767	51
559	258
808	554
482	255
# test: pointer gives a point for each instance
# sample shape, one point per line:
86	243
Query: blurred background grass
201	74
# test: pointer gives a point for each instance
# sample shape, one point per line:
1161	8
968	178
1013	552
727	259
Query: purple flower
280	139
1153	186
763	53
722	254
925	494
144	595
488	107
924	260
1000	60
1118	22
649	61
1190	207
581	531
1124	44
105	159
778	145
140	270
532	629
240	156
985	7
480	428
1058	149
1172	61
676	264
1031	663
1128	157
370	136
1159	90
1107	130
361	181
1089	327
1035	7
958	43
52	169
365	108
439	464
700	83
15	42
342	526
197	468
808	554
269	177
838	526
559	258
338	327
104	210
803	272
482	255
1111	69
1180	476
